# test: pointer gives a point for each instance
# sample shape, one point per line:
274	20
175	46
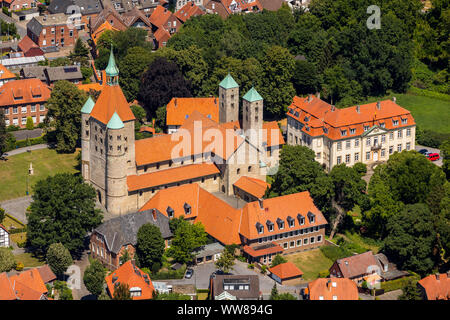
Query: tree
160	83
226	262
149	246
279	259
94	277
274	292
186	238
3	134
276	88
445	152
64	292
59	258
80	53
410	291
122	292
30	124
7	261
2	214
64	114
63	210
125	257
411	239
138	112
305	78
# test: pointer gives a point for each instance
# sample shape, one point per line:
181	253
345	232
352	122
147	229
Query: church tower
85	137
228	100
252	115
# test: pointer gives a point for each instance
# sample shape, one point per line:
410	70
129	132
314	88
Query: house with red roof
367	133
15	5
250	189
435	286
27	285
24	98
285	273
331	289
189	10
6	75
139	282
29	47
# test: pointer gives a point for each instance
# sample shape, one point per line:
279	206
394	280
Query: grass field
46	162
310	262
28	260
10	223
429	113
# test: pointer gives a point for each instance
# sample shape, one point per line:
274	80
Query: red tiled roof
20	92
88	86
46	273
187	11
161	36
272	135
356	265
255	187
286	270
279	207
256	252
342	289
168	176
6	291
130	274
436	289
28	285
5	73
178	108
316	114
160	16
147	129
112	100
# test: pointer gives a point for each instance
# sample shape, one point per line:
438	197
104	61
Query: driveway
433	150
17	207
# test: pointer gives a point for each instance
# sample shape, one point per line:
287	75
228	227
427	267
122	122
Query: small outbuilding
285	273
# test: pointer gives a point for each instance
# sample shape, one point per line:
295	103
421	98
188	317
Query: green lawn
363	242
429	113
310	262
28	260
11	224
46	162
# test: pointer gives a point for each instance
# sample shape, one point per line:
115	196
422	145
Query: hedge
16	220
334	253
429	94
398	283
430	138
18	230
25	143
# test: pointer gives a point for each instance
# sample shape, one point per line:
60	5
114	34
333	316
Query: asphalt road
433	150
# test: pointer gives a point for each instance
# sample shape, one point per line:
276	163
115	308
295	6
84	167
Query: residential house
250	189
139	282
50	32
179	109
162	18
208	253
29	48
263	228
26	285
20	99
235	287
189	10
88	9
285	273
110	240
217	7
179	4
50	75
4	237
25	15
367	133
15	5
6	75
331	289
435	286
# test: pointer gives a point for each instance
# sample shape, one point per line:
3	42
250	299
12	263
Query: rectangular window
348	144
356	142
399	148
383	138
383	153
347	158
312	240
367	155
399	133
6	111
292	244
33	108
408	146
15	110
343	133
366	128
368	142
391	149
285	245
305	241
41	108
24	109
338	160
299	242
404	121
339	146
24	120
356	156
408	132
319	238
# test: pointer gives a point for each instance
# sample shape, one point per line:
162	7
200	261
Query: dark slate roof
252	293
35	27
34	72
72	72
86	6
122	230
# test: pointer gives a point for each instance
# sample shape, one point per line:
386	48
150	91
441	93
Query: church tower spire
112	72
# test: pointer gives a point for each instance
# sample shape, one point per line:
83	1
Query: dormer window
170	212
280	223
187	208
366	128
382	125
343	132
352	131
301	219
404	121
291	221
260	228
269	225
311	217
395	122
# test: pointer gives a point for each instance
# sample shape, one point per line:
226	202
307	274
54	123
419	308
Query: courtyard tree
149	247
226	262
94	277
58	258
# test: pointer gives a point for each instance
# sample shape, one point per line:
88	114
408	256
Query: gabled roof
228	82
252	95
190	9
26	44
6	290
24	91
178	108
134	277
255	187
341	288
122	230
160	16
356	265
103	16
112	100
161	35
28	285
46	273
286	270
437	286
278	208
132	16
253	292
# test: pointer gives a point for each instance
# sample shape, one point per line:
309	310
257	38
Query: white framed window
24	120
305	241
399	133
24	109
356	156
347	144
33	108
285	245
7	122
44	31
6	111
15	110
299	242
367	155
15	121
338	159
352	131
339	146
399	148
53	30
408	145
383	153
347	158
356	142
408	132
368	142
395	122
292	244
312	240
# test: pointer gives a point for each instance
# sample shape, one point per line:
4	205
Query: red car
433	156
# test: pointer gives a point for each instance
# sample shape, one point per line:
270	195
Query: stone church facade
127	173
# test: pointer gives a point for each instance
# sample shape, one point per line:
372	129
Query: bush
430	138
30	124
19	266
334	253
251	266
7	261
170	274
324	274
241	258
397	284
263	269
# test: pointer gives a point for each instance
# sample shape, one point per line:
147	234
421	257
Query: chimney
437	276
394	99
357	109
175	101
309	97
318	95
333	108
154	214
260	200
378	105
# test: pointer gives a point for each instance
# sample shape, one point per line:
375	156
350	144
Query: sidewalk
24	149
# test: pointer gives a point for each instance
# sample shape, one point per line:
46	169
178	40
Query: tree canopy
58	258
94	277
149	246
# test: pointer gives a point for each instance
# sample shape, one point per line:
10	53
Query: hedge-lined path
25	149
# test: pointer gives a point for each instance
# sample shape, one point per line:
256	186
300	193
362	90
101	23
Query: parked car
433	156
189	273
423	151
